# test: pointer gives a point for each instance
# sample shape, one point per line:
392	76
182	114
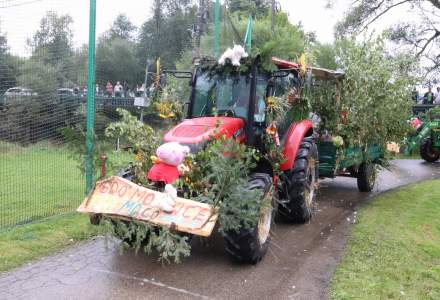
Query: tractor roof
319	73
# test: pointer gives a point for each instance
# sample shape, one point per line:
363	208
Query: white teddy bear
234	55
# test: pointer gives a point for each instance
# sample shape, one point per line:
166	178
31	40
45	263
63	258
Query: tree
288	41
122	28
256	8
116	61
3	44
8	65
168	34
52	45
54	39
421	33
325	56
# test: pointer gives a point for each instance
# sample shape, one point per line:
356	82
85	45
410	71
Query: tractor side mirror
281	73
181	75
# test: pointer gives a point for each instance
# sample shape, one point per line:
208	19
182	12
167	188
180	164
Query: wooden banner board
118	197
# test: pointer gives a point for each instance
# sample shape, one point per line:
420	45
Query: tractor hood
195	132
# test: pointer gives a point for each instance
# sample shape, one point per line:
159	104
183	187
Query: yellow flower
155	159
138	157
270	101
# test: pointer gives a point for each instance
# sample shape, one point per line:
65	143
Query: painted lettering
150	212
104	187
114	187
123	190
148	199
189	208
131	207
139	194
177	208
202	215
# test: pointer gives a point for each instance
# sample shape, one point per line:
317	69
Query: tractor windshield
226	95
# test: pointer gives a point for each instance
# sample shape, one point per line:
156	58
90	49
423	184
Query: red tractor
238	101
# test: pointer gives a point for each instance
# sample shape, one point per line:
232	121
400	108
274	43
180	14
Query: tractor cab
231	105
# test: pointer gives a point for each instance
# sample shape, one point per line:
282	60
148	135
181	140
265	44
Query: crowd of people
428	98
119	90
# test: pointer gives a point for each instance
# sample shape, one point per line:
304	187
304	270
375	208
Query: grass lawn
394	249
39	181
36	182
28	242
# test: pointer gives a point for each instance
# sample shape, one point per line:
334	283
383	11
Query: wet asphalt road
298	265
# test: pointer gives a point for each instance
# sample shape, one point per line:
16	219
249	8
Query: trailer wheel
250	245
366	177
427	152
300	184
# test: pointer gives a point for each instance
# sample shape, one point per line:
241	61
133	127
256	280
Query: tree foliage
116	60
257	8
122	28
9	65
375	95
53	40
169	33
288	41
419	32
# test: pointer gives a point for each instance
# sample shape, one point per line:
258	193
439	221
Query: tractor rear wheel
250	245
427	152
300	184
366	177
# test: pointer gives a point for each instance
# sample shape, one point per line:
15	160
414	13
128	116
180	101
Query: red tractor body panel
295	135
199	130
194	132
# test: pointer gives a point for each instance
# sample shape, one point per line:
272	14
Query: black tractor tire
366	177
427	152
95	219
300	184
250	245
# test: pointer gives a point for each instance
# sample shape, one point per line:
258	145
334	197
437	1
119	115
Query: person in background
109	89
97	89
428	98
437	97
415	95
125	88
118	89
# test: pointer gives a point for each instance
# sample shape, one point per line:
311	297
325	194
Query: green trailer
347	161
350	162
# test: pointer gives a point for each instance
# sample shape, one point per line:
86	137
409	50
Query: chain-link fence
43	90
38	177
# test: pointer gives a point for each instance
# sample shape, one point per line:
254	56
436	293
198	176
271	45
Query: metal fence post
91	98
217	28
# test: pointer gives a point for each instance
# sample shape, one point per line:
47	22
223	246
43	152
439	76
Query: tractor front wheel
250	245
300	184
429	153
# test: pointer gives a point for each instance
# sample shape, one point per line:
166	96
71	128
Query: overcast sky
20	18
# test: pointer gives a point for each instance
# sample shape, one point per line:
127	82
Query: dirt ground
298	265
